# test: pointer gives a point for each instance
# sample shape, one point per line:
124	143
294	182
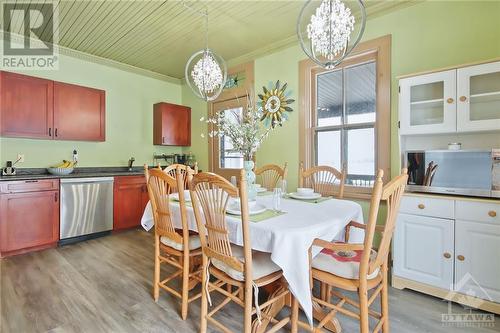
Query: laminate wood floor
104	285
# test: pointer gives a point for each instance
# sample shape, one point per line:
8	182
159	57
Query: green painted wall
129	118
425	36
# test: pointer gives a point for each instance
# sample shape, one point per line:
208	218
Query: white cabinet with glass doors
458	100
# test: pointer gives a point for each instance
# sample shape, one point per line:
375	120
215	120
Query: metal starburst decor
275	103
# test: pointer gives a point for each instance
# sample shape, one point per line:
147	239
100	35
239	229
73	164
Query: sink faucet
130	162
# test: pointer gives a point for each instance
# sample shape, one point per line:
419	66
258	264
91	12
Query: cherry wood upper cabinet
26	107
130	199
171	125
79	113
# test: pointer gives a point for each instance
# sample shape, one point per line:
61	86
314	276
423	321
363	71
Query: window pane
328	149
329	99
361	156
360	91
228	158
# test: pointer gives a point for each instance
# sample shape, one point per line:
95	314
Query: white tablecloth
288	236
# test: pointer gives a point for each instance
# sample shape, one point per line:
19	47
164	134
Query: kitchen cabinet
427	103
42	109
466	99
26	107
29	216
171	125
423	250
478	88
130	199
79	113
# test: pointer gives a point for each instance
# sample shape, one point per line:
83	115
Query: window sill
356	192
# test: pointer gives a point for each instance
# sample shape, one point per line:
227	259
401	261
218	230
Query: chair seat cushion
194	242
342	263
262	264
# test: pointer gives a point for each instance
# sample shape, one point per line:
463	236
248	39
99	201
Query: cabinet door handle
450	100
421	206
55	132
31	181
162	139
447	255
463	98
492	213
55	197
460	257
50	131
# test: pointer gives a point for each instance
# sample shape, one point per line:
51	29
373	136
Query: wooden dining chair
176	247
270	174
186	171
230	265
358	267
324	179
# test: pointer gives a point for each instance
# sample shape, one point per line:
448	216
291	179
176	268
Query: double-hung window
345	115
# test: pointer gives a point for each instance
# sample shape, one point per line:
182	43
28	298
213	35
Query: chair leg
384	301
295	315
156	279
204	299
248	308
185	284
364	326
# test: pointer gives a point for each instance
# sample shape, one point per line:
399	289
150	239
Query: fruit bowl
60	171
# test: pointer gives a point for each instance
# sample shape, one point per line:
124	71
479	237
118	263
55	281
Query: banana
65	165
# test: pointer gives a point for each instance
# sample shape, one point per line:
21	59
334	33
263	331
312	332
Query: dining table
287	233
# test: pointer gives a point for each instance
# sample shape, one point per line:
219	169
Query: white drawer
478	211
425	206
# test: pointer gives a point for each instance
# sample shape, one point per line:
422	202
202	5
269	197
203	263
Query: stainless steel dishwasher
86	208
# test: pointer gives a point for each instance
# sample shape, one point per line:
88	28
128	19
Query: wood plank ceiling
161	35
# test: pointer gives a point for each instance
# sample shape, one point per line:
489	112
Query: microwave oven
460	172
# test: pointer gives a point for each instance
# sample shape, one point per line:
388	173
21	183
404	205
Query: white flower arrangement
246	134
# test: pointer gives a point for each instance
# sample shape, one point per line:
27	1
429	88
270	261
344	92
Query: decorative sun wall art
275	103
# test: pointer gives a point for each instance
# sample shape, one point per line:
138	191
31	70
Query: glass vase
250	175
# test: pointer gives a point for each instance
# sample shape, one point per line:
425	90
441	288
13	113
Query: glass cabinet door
427	103
479	97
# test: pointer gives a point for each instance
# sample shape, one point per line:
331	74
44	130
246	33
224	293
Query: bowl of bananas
62	169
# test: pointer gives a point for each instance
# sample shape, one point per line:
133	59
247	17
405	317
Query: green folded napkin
264	193
310	200
268	214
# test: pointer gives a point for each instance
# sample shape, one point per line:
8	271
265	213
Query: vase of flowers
246	133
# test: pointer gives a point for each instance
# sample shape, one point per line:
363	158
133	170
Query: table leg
273	309
333	325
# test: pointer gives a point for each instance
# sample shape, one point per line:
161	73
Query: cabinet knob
450	100
421	206
460	257
447	255
463	98
492	213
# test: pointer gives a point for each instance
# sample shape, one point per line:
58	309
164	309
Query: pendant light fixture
325	31
205	71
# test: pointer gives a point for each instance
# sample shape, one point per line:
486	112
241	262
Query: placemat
268	214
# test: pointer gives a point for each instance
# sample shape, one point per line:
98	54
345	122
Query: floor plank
105	284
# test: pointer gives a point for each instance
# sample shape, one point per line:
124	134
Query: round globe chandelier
325	30
206	71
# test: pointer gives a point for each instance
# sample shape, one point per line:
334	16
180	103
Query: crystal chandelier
326	36
205	71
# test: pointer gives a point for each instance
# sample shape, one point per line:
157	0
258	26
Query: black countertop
79	172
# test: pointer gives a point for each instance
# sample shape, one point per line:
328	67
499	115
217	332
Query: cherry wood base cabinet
171	125
29	215
130	199
36	108
449	247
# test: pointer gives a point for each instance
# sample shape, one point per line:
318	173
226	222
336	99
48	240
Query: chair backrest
160	185
212	193
323	179
270	174
186	171
391	193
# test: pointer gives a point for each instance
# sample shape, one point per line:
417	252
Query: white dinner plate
187	196
261	189
235	210
313	196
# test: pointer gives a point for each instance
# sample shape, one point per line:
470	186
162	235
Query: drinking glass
277	199
283	188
